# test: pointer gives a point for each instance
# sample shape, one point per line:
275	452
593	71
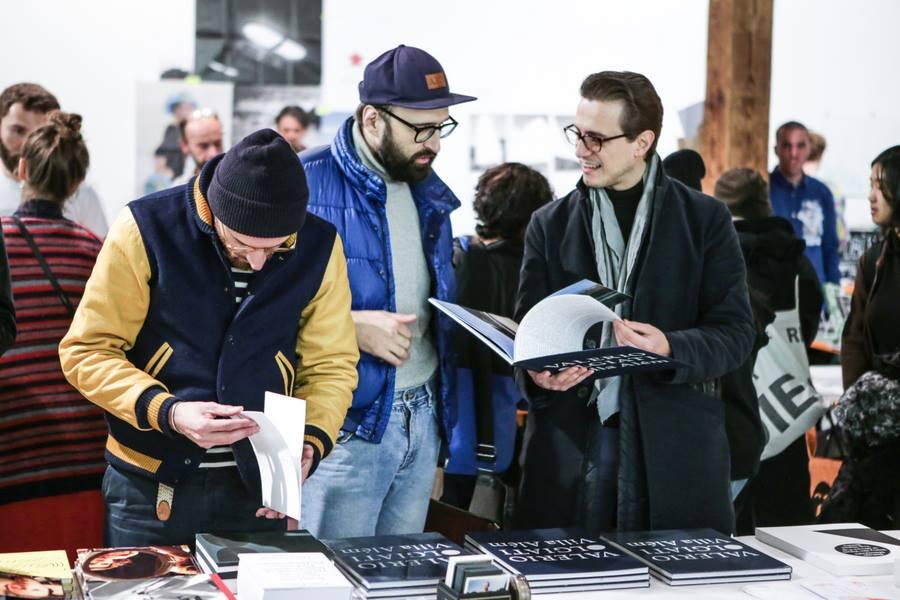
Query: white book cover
838	548
279	448
290	576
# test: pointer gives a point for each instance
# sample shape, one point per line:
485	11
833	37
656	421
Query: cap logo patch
435	81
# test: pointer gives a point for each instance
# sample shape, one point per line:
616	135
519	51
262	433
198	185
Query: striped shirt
222	456
51	438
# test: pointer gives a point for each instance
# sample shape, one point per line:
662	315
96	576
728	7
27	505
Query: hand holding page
279	448
552	335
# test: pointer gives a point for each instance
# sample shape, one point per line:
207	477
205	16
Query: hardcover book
35	575
839	548
218	553
554	334
395	565
133	566
177	587
695	556
562	557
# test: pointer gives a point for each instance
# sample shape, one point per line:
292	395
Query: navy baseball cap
407	77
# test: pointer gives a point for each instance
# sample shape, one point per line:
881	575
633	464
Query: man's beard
400	167
10	160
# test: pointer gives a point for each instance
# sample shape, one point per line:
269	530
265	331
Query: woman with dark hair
51	438
867	488
487	275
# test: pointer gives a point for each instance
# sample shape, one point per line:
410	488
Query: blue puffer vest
351	197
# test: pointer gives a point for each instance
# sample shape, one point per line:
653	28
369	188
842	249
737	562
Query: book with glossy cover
172	587
558	554
559	332
132	566
221	550
838	548
694	556
417	560
43	574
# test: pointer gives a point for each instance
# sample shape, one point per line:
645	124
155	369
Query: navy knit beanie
259	187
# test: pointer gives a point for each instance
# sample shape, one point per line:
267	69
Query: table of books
769	590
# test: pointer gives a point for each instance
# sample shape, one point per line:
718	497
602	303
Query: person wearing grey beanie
205	297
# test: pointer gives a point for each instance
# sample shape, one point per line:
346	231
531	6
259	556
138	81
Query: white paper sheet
557	324
279	448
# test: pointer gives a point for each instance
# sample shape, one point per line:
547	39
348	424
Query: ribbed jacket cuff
152	410
320	442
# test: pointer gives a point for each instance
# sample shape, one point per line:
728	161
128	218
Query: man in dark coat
646	450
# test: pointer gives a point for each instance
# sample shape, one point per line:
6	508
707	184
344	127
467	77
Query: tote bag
788	402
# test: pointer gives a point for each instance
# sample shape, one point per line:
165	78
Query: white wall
835	68
521	56
91	54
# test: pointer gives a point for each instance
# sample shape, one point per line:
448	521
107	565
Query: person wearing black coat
661	460
775	259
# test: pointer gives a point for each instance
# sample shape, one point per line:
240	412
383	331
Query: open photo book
552	335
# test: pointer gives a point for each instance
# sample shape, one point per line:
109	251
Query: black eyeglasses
424	132
591	141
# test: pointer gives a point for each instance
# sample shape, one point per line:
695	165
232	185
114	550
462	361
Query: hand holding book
642	336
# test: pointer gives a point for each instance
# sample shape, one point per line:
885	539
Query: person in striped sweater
51	438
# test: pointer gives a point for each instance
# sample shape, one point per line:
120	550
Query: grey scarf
615	265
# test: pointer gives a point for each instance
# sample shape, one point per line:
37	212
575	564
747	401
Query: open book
551	336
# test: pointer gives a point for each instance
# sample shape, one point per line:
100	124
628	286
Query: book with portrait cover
35	574
559	332
698	556
838	548
133	566
409	564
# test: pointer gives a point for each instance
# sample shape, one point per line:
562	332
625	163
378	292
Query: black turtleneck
625	203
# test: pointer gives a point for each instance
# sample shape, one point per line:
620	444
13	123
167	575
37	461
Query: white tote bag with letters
788	402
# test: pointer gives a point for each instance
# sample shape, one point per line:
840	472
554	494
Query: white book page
557	324
279	448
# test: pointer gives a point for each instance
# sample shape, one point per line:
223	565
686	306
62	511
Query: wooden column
735	131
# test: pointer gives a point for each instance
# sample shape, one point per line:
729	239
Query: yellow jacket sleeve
327	356
108	320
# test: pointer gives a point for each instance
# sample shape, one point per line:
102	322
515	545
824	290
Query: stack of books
36	575
838	548
698	556
395	566
560	560
219	553
149	572
291	576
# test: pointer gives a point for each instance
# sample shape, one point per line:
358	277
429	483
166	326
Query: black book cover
606	362
394	561
556	554
221	550
696	553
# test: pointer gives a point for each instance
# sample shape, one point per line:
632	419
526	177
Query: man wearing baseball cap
375	183
204	297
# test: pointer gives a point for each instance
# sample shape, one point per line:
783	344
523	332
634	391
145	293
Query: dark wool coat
674	458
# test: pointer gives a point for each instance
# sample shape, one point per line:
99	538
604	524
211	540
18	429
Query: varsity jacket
158	323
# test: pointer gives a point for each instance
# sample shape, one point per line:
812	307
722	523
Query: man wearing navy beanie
204	297
376	184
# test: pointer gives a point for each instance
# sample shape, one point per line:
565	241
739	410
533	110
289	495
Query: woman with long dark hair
867	488
51	438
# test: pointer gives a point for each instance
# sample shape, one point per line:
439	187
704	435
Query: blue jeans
364	489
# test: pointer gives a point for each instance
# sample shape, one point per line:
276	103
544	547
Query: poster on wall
161	105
